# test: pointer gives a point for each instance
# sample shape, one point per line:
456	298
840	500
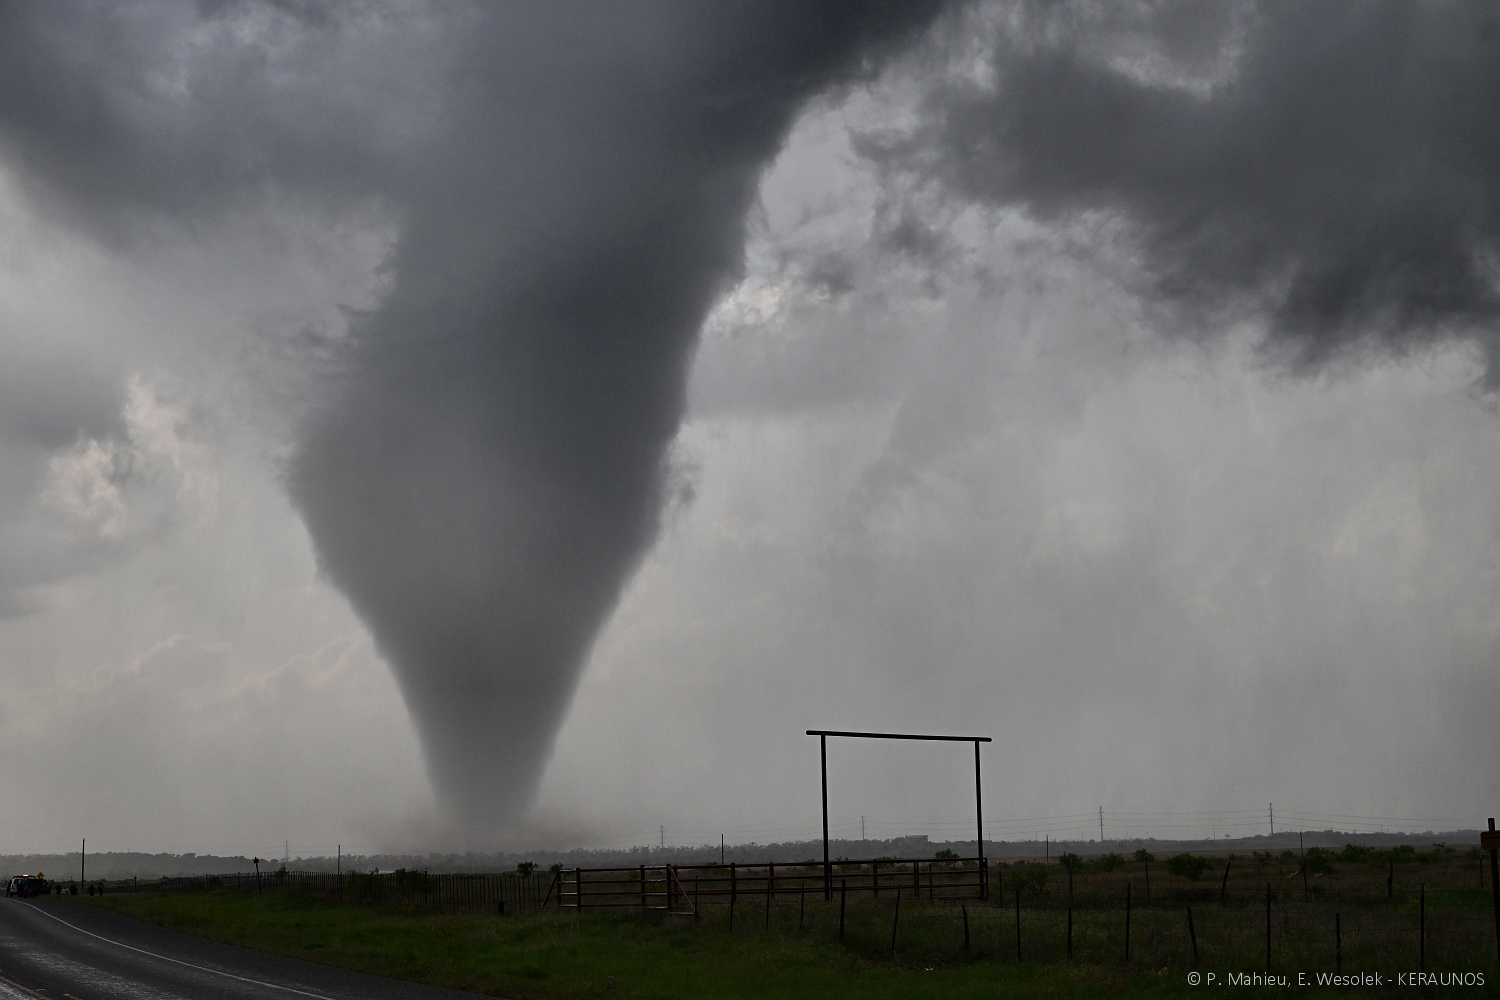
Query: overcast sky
429	427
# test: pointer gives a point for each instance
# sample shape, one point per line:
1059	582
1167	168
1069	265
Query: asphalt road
57	949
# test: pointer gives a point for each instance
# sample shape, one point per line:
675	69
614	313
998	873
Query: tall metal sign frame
823	734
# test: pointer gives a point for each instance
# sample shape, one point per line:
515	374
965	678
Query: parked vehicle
28	885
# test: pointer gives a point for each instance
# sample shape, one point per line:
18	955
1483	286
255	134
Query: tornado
491	467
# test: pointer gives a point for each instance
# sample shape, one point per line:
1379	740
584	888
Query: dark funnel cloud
493	466
569	182
1334	166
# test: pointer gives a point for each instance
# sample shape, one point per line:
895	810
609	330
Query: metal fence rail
681	888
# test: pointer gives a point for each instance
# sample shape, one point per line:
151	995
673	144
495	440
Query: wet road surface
55	949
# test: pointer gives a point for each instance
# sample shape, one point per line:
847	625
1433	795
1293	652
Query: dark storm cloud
181	109
571	184
1337	165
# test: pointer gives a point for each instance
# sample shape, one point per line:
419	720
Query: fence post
965	908
1070	911
1193	936
1338	944
1495	885
1268	927
895	921
843	897
930	895
1127	923
1224	885
1422	929
1018	925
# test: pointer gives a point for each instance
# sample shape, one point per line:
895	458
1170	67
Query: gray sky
427	428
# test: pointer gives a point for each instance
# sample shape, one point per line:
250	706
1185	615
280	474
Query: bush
1110	862
1319	861
1030	878
1144	855
1359	854
1187	866
946	855
525	867
1070	862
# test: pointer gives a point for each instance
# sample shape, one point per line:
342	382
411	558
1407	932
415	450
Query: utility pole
286	851
721	848
862	829
1101	824
1272	813
663	837
83	857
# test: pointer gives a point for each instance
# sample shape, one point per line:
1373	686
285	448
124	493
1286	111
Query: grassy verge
557	955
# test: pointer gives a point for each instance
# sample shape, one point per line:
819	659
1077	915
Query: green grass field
556	955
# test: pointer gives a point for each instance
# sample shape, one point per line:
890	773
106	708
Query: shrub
1030	878
525	867
1359	853
1144	855
1070	862
946	855
1437	855
1318	861
556	866
1110	862
1187	865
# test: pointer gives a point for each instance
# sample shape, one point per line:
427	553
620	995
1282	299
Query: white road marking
177	961
14	991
